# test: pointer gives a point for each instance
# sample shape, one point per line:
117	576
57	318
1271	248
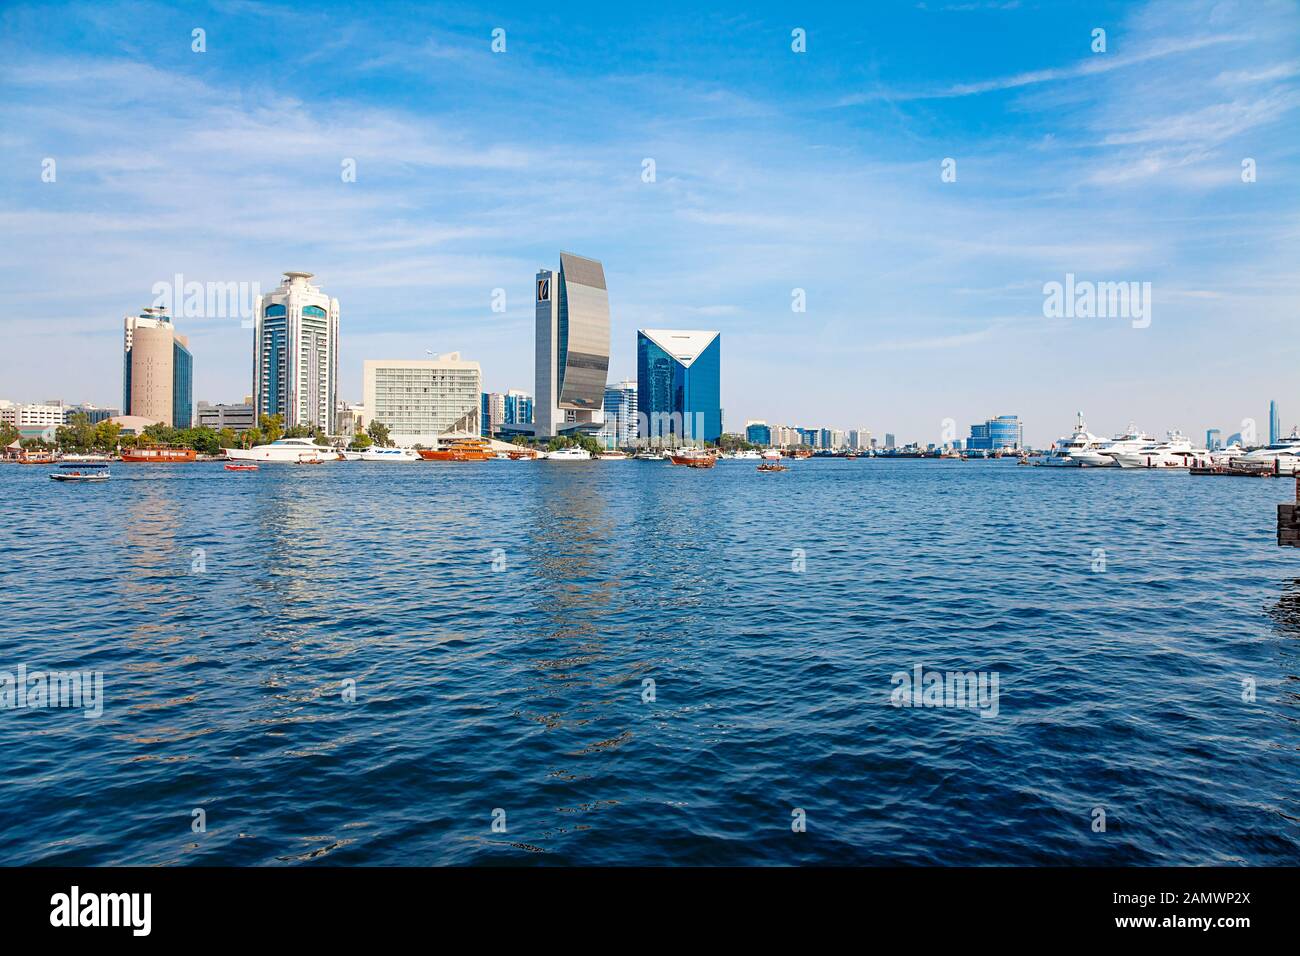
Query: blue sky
774	171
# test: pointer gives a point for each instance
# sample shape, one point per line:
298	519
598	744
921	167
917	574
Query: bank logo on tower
543	290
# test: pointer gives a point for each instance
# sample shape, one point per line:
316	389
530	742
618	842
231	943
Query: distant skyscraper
296	354
859	439
519	407
1274	424
493	412
620	414
1003	432
158	370
758	433
572	346
1213	439
889	440
678	377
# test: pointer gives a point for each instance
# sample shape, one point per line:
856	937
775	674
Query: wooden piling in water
1288	520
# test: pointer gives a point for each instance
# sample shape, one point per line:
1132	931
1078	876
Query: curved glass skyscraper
679	384
572	346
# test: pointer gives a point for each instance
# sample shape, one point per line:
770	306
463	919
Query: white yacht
771	454
1175	452
1077	450
1132	439
1227	453
749	454
572	453
375	453
1285	452
288	450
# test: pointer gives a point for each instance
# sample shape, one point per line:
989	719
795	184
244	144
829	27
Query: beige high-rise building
157	375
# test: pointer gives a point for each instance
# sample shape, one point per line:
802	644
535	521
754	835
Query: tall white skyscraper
296	354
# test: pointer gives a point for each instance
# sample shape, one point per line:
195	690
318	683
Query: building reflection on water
1286	623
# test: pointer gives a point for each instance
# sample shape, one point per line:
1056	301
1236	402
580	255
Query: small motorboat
237	466
81	472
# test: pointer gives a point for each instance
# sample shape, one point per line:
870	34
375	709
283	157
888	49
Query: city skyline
933	286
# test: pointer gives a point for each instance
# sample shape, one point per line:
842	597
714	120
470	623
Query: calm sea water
524	689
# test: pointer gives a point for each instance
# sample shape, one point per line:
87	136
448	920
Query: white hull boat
389	455
286	450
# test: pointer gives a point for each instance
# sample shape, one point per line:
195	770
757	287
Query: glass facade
583	356
182	386
680	394
620	427
1003	432
758	433
275	333
519	408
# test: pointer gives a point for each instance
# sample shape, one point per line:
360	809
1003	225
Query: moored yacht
1227	453
1078	449
572	453
288	450
1174	452
375	453
1284	454
1132	439
749	454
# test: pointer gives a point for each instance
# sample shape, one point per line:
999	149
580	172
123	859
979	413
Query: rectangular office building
423	400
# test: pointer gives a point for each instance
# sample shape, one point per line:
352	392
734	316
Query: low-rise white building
420	400
32	415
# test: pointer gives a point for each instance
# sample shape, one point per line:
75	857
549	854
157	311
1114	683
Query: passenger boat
284	450
772	454
749	454
235	466
158	454
389	454
771	466
694	458
613	456
460	449
36	458
81	472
